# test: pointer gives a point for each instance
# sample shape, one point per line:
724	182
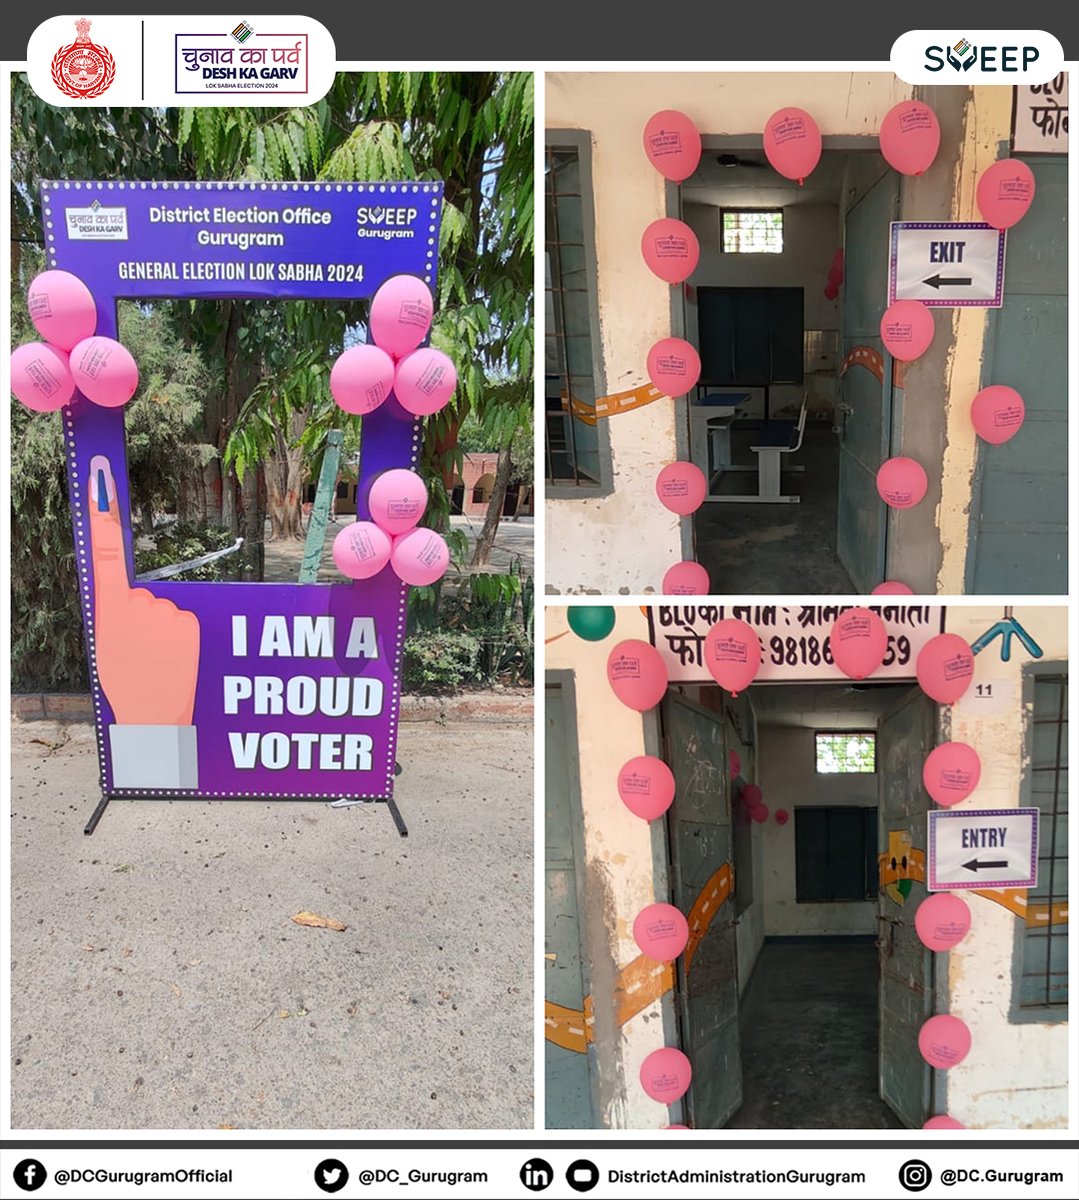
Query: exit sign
947	264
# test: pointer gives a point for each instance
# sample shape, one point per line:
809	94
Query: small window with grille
752	230
847	753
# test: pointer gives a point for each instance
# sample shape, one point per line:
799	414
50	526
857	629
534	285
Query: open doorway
792	415
800	1006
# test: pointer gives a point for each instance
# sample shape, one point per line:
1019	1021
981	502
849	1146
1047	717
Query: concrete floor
763	549
158	981
809	1039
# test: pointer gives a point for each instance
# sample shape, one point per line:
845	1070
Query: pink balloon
910	137
104	371
646	786
686	579
674	1127
792	143
401	313
750	796
424	381
907	329
62	308
943	1122
361	550
892	587
942	921
997	413
397	500
902	482
732	654
673	366
672	144
859	642
782	816
666	1075
951	772
40	377
661	932
361	379
637	674
1005	192
420	557
759	813
944	1041
670	249
945	667
681	487
734	761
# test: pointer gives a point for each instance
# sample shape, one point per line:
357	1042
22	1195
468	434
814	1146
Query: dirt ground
158	980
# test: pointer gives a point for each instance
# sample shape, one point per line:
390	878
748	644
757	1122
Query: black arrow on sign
938	281
976	864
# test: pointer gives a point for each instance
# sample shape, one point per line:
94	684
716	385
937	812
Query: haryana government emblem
83	70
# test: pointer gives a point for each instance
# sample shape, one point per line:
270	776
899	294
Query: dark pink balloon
666	1075
902	482
672	144
646	786
941	1122
732	654
859	642
997	413
951	772
910	137
945	667
750	796
661	932
942	921
686	579
907	329
944	1041
734	761
831	290
1005	192
782	816
637	674
682	487
759	813
792	143
674	366
892	587
670	249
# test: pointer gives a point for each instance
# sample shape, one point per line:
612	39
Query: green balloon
592	624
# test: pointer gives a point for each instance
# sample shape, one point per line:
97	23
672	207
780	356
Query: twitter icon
331	1175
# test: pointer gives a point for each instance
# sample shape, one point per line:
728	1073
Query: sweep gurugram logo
386	221
968	56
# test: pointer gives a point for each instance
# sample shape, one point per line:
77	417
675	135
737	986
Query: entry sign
987	848
947	264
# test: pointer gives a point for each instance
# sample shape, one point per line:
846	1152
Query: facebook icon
30	1175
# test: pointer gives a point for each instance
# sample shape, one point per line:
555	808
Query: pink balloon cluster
753	802
397	500
45	375
421	378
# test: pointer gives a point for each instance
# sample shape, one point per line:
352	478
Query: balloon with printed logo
1005	192
859	642
361	378
951	772
672	144
661	932
401	313
62	308
361	550
997	413
681	487
907	329
732	654
104	371
750	796
902	482
945	667
670	249
792	143
637	674
944	1041
942	921
420	557
666	1075
397	500
591	622
910	137
943	1122
892	587
686	579
674	366
40	377
734	763
646	786
424	381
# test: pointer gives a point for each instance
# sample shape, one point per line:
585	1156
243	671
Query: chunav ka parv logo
83	70
242	60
